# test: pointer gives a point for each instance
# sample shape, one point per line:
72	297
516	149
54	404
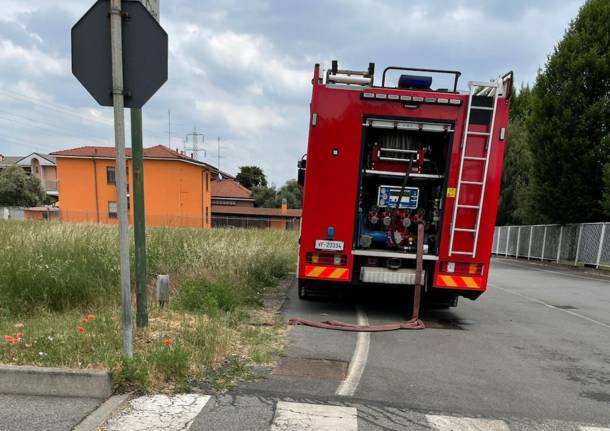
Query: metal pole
601	243
578	245
139	218
559	245
543	244
529	247
507	239
116	41
518	241
139	212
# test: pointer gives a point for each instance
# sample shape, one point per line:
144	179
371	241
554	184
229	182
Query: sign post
139	211
122	62
116	42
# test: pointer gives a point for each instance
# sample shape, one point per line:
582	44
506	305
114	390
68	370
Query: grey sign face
145	53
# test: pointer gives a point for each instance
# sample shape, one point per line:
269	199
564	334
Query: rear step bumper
374	274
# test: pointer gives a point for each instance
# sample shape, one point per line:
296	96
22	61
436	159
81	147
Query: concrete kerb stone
61	382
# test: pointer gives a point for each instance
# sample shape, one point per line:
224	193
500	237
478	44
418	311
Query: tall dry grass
57	267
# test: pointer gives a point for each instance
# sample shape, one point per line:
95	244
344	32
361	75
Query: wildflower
81	329
167	342
42	354
19	334
19	325
83	321
28	346
91	317
10	339
50	338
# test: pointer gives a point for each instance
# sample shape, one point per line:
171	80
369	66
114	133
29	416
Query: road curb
100	416
61	382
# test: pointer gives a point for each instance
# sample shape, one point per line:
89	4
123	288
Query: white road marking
358	363
314	417
533	266
538	301
593	429
451	423
159	412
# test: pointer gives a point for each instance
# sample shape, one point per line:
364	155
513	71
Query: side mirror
302	165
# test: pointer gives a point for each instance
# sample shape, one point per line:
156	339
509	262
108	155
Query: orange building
177	189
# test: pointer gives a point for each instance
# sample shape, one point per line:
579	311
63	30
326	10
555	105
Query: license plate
323	244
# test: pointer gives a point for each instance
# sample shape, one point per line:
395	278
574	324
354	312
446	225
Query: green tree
270	197
515	197
19	189
292	193
264	196
606	195
251	176
570	121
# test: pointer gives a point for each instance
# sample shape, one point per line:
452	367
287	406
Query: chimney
284	209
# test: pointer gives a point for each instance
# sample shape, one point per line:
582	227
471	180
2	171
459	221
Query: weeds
59	287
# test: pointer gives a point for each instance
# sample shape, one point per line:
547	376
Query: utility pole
194	148
169	129
139	212
116	40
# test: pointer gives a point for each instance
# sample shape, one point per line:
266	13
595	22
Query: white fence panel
580	244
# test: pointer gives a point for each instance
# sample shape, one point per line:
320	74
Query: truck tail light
462	268
326	259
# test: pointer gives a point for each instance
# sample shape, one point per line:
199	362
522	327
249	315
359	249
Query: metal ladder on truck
479	92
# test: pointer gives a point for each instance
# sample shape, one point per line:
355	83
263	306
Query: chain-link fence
578	244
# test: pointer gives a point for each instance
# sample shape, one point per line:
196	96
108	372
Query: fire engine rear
383	160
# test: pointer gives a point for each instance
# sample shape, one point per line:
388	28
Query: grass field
60	302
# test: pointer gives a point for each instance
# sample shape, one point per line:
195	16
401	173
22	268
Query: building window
112	210
224	202
110	175
207	215
207	182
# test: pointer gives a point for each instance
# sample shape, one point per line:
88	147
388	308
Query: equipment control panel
388	196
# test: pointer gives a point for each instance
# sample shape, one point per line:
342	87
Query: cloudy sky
241	69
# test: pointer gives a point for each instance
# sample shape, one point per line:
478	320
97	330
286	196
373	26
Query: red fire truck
383	159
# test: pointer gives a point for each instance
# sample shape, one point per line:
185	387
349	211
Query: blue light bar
415	82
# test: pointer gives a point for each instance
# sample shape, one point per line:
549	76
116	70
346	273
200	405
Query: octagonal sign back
145	53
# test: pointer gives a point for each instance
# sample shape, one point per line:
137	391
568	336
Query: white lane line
313	417
538	301
533	266
358	363
451	423
593	429
159	412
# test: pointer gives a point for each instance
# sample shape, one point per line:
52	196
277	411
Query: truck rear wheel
304	291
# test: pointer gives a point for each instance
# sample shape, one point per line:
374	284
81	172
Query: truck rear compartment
391	205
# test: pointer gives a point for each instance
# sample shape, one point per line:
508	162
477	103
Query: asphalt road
535	346
28	413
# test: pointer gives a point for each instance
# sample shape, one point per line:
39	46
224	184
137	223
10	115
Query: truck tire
304	291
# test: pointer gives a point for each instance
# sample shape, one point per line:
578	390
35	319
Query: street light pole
116	37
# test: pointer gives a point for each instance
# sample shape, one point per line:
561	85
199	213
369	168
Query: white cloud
244	120
32	60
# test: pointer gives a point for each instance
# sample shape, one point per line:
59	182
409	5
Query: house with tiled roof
177	188
228	192
233	206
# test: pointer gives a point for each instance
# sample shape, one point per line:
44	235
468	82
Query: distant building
177	190
40	165
233	206
228	192
6	161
